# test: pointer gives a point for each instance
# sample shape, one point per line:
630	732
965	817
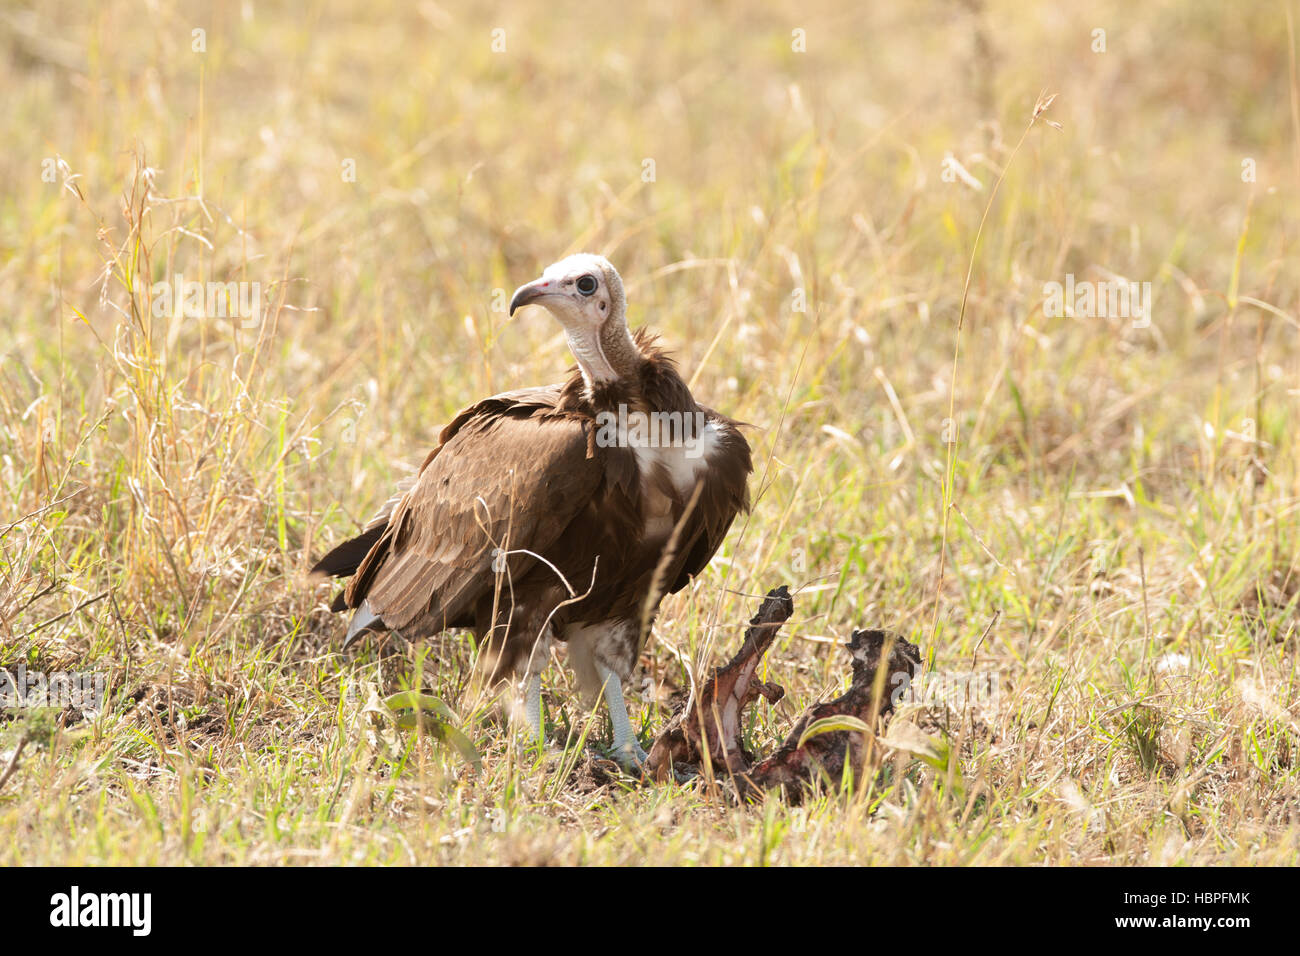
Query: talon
627	750
685	774
631	758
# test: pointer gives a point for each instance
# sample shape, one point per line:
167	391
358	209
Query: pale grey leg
533	705
530	689
627	751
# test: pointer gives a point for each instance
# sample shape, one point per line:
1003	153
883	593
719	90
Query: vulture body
563	512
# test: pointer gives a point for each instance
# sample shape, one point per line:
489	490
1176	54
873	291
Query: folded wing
510	474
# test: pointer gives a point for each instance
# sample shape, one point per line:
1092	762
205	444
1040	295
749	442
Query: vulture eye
587	285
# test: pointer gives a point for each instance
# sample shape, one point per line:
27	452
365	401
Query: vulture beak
531	292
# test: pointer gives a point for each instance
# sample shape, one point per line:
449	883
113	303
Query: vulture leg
627	750
528	672
533	705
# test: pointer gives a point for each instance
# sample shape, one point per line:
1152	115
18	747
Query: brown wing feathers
508	475
523	471
724	495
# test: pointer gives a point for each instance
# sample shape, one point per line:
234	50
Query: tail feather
345	558
362	621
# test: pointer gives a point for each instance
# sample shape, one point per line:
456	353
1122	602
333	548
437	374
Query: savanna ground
1098	514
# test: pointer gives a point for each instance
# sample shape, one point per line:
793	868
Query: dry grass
1121	547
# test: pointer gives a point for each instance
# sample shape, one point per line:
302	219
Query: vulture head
585	293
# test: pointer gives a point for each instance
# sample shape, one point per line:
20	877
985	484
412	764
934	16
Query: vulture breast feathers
547	512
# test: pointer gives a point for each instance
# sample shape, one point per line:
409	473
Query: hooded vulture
558	513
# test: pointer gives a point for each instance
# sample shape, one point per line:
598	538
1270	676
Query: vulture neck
606	356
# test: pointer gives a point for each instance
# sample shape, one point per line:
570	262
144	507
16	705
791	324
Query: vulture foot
630	757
